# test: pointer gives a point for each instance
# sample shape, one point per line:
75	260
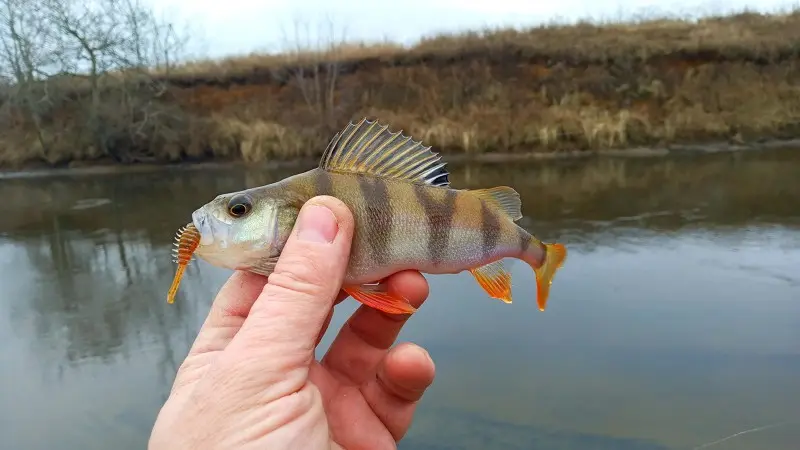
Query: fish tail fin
545	260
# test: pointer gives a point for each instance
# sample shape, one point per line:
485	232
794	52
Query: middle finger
364	339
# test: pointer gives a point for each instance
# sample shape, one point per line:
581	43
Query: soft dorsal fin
370	148
504	198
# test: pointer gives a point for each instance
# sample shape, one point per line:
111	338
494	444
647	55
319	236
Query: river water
674	323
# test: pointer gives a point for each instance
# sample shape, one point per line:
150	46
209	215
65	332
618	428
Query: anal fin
376	297
494	279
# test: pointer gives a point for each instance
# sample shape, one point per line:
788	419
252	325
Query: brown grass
546	89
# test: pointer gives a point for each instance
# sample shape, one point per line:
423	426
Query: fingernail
316	224
422	352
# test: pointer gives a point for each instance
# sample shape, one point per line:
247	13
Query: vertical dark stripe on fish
524	239
490	231
378	218
440	221
323	185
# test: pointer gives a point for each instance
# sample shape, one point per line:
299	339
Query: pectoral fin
375	296
495	280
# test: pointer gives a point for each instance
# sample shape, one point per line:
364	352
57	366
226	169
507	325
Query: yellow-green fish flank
407	216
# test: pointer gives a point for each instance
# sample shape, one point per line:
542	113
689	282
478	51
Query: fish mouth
202	222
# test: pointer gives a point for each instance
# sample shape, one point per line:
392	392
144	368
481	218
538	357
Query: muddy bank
649	87
110	168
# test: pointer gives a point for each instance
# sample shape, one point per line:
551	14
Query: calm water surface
674	323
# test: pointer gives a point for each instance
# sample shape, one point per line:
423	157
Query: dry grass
547	89
745	35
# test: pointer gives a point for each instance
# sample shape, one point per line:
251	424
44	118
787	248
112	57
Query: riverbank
633	88
107	167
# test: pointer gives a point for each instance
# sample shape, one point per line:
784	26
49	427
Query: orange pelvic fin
554	257
376	297
494	279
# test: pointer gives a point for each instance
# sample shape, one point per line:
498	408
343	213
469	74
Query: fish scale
407	217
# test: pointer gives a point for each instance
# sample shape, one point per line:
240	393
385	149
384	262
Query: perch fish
406	217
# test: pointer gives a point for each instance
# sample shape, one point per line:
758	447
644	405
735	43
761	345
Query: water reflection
674	322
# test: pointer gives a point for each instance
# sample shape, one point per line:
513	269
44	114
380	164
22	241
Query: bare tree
94	36
314	62
27	51
97	55
149	43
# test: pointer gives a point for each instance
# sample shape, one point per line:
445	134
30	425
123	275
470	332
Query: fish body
406	217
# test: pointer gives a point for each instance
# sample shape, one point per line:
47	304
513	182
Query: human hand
251	380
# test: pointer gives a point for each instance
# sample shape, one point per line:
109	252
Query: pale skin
251	380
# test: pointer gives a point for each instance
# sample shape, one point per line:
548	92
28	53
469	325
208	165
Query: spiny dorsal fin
370	148
504	198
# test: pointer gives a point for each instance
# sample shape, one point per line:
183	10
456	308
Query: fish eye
239	205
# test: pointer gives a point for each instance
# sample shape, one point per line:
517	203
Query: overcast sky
226	27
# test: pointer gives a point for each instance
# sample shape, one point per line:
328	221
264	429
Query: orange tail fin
545	259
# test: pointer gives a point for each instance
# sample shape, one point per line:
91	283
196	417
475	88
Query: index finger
228	311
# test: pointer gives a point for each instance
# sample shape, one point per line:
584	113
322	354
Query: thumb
284	323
